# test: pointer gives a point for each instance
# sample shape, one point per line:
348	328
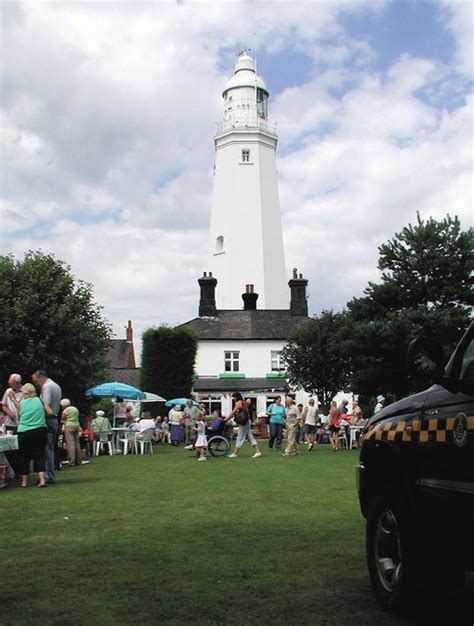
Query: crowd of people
37	413
190	425
41	417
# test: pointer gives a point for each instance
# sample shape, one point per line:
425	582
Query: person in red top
334	426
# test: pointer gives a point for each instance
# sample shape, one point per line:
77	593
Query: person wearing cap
380	404
100	425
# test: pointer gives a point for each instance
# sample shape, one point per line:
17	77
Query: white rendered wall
255	362
246	214
255	356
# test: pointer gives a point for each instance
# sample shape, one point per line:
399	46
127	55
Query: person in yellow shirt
72	429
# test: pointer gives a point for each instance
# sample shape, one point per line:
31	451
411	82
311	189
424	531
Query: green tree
168	356
315	359
425	290
49	320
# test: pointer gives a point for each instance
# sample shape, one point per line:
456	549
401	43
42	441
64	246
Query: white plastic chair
353	432
343	439
143	439
103	440
129	442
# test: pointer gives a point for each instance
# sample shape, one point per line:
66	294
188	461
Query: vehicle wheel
218	446
391	556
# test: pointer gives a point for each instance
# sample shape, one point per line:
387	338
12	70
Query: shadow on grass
160	540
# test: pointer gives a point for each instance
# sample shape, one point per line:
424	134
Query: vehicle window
467	367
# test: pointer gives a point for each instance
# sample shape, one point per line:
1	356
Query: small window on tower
245	156
219	244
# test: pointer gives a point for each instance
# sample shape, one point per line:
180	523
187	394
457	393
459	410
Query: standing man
191	413
51	394
310	414
292	421
11	415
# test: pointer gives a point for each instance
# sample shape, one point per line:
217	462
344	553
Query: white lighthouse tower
246	243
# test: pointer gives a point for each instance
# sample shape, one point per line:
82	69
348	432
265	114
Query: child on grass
201	441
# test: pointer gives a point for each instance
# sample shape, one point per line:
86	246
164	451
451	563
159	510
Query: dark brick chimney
129	332
250	298
207	301
298	303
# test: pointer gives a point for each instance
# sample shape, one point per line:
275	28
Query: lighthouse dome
245	76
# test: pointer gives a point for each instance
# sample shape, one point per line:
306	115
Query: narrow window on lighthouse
245	156
219	244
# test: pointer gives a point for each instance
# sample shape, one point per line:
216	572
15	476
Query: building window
245	156
212	402
277	365
219	244
231	361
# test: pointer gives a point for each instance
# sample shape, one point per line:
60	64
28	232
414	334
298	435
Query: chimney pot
207	301
250	298
298	302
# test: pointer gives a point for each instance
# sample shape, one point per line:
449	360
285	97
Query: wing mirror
426	360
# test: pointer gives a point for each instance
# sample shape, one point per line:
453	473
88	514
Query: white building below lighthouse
245	235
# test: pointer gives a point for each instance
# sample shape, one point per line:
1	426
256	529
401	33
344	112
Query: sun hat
100	413
380	398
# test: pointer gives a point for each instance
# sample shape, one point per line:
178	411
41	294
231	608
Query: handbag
241	417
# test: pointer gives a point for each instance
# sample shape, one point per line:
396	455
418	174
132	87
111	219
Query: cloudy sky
108	112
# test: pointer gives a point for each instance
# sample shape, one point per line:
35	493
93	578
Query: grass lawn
164	539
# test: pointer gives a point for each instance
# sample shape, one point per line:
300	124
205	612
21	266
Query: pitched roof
130	376
240	384
250	324
121	354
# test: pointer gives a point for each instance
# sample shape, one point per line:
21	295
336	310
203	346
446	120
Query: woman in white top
176	417
120	412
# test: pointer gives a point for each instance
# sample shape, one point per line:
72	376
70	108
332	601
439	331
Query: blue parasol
180	401
116	390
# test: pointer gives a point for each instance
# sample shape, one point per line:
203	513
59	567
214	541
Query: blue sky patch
410	26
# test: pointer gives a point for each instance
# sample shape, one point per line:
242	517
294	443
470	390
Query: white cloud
108	117
458	16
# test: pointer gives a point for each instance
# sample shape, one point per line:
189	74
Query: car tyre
391	554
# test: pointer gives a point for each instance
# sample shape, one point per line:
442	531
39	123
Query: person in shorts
334	426
310	414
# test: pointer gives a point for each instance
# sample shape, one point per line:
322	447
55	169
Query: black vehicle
415	481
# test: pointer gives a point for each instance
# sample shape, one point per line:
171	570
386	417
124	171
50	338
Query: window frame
232	361
279	366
